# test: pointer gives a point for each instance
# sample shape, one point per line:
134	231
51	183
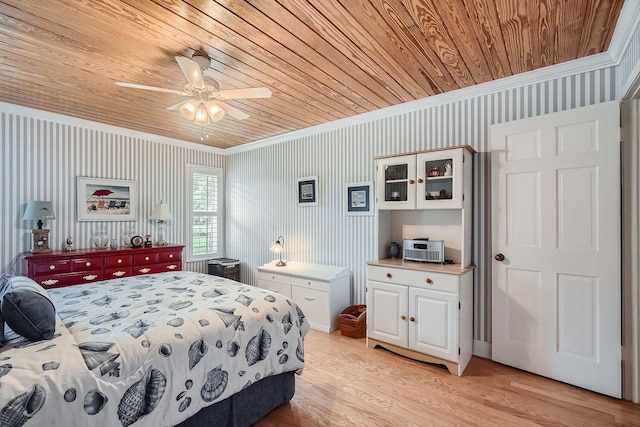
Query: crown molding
626	27
34	113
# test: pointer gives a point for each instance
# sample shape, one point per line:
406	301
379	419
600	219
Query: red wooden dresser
60	268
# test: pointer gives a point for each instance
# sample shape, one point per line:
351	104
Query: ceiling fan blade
191	71
252	92
153	88
176	107
232	111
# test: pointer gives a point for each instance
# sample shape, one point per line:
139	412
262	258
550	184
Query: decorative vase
100	237
394	250
126	235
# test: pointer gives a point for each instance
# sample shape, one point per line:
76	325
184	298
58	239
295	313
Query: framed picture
308	191
359	198
101	199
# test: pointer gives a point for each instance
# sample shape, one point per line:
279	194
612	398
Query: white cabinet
421	313
426	180
321	291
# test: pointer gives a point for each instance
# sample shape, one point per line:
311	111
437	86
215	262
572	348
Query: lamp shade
278	246
161	212
38	210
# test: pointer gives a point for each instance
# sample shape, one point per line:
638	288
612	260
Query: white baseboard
482	349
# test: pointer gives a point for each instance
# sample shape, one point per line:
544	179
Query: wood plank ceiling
323	59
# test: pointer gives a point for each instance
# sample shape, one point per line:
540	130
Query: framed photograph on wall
359	198
307	189
101	199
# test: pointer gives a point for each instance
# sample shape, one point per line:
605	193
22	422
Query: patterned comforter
148	350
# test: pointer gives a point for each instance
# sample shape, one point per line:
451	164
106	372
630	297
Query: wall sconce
278	248
161	214
39	210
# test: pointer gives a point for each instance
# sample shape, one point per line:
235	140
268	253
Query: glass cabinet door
439	179
396	182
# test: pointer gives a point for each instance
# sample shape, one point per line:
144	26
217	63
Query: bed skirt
248	405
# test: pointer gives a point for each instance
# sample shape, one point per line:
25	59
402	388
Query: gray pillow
28	313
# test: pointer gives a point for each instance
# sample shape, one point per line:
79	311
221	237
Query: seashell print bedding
148	350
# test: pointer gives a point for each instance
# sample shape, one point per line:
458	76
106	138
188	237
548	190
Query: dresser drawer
169	256
61	280
116	273
87	264
118	261
310	284
283	289
157	268
51	267
418	279
145	258
315	306
274	277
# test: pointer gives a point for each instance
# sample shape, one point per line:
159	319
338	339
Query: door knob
403	317
413	319
499	257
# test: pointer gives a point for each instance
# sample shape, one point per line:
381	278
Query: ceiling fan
205	102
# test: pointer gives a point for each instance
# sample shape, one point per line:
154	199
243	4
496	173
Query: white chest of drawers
321	291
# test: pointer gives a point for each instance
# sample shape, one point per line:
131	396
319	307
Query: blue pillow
28	313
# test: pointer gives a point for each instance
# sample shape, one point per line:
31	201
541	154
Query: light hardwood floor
344	383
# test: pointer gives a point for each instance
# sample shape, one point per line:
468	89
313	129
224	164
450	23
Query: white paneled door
556	242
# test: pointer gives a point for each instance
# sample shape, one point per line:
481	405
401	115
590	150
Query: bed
165	349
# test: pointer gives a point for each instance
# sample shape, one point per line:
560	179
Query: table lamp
162	215
278	248
39	210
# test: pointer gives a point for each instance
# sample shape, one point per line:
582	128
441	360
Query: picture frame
307	190
359	198
103	199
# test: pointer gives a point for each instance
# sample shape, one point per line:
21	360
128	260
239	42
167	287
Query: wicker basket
353	321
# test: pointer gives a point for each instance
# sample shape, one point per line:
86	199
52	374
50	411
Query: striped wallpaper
40	160
261	183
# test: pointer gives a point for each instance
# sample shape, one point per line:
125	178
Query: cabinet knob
119	261
413	319
88	264
389	276
411	181
403	317
146	258
420	180
52	267
170	255
429	281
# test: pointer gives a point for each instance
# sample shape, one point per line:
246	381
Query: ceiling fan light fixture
188	109
215	112
202	115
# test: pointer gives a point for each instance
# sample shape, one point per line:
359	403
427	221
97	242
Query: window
204	216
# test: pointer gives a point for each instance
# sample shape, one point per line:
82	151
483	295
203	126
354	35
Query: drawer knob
49	282
119	261
429	281
273	277
172	267
170	255
52	267
144	270
309	283
90	277
88	264
413	319
309	299
119	273
389	276
146	258
403	317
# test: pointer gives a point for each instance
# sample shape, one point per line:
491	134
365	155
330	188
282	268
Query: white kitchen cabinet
321	291
421	311
427	180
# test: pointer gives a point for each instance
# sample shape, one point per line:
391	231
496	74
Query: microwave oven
423	250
